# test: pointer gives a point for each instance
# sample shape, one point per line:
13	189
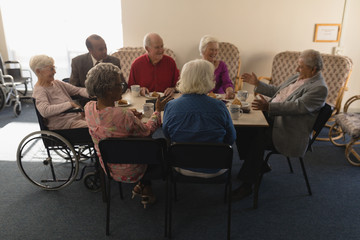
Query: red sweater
154	77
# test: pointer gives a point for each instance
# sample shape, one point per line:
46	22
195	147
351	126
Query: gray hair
40	61
101	79
197	76
147	39
204	41
312	58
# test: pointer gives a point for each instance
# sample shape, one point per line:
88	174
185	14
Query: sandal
148	200
138	190
147	197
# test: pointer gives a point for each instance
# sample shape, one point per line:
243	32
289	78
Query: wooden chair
230	54
127	55
346	132
199	155
336	71
324	115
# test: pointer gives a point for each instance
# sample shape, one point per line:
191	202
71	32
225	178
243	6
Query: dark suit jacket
81	64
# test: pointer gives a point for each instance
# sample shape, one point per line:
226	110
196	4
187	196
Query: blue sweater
198	118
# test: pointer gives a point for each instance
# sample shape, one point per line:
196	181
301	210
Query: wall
259	28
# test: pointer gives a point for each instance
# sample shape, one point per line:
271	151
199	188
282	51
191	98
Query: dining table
252	118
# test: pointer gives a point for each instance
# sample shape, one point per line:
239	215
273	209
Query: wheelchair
53	159
9	93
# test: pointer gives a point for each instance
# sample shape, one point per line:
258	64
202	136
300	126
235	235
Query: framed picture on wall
327	32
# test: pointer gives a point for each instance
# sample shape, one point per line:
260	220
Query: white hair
40	61
147	39
197	76
204	41
312	58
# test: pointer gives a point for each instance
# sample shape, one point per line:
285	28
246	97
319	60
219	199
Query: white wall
259	28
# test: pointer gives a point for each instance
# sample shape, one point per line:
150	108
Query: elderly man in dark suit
291	112
81	64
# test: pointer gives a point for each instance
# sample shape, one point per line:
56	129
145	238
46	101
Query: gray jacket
295	117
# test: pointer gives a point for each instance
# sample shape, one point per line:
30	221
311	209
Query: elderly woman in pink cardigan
105	120
53	97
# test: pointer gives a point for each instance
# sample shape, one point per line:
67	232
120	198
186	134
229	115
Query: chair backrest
133	150
336	71
201	155
41	119
323	116
127	55
230	54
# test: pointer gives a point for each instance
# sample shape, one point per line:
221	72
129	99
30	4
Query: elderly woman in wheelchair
50	158
105	120
53	97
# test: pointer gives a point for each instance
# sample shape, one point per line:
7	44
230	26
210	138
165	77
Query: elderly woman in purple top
209	48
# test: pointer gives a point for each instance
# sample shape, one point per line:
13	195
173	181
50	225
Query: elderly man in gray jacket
291	112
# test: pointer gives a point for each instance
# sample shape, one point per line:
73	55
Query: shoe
265	168
148	200
241	192
138	190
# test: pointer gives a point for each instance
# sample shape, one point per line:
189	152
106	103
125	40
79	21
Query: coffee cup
235	111
148	109
135	90
243	95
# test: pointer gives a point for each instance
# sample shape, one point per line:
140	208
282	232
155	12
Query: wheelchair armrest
9	62
73	110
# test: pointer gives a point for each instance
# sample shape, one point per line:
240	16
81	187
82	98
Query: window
59	28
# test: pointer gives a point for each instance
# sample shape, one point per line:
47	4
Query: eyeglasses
122	85
51	68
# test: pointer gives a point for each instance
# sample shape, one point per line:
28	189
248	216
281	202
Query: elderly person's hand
75	105
250	78
260	104
169	92
137	114
144	91
160	104
229	93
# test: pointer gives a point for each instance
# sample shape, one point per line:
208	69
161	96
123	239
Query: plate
151	97
122	105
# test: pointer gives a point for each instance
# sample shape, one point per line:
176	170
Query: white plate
150	97
122	105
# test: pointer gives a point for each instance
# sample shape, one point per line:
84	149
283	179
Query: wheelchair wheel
352	152
2	98
92	181
17	109
41	165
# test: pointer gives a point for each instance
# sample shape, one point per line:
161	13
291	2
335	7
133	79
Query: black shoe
265	168
241	192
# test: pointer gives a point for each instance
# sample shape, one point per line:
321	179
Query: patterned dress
119	122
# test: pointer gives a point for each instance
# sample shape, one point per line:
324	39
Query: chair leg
258	182
121	191
170	211
290	166
229	211
305	175
108	208
226	192
166	207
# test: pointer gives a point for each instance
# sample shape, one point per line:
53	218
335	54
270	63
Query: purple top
222	79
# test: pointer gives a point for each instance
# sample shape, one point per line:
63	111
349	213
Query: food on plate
236	102
122	102
155	94
211	94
